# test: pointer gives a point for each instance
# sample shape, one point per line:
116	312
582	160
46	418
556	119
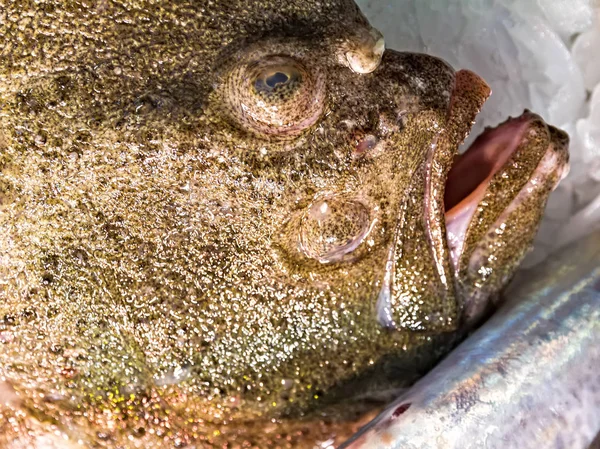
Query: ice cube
560	203
585	190
586	51
568	17
582	223
588	134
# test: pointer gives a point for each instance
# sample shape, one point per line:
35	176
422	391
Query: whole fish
240	222
529	378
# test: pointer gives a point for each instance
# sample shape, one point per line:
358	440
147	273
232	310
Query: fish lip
517	126
466	94
459	213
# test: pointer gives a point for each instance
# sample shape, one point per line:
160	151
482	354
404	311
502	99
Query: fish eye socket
274	96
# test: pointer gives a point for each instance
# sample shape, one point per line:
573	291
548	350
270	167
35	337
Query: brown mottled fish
238	223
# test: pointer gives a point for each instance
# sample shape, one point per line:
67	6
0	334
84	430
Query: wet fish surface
240	223
528	378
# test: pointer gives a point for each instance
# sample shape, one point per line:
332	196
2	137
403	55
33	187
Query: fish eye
333	227
275	96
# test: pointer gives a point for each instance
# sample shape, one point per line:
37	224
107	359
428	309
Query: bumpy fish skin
201	203
527	379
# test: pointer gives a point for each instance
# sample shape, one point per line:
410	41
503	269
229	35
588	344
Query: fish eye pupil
275	81
277	78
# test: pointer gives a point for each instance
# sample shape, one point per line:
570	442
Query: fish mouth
472	216
508	163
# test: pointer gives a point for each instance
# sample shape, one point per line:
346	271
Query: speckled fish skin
203	202
528	379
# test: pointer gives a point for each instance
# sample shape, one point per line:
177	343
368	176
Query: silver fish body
529	378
